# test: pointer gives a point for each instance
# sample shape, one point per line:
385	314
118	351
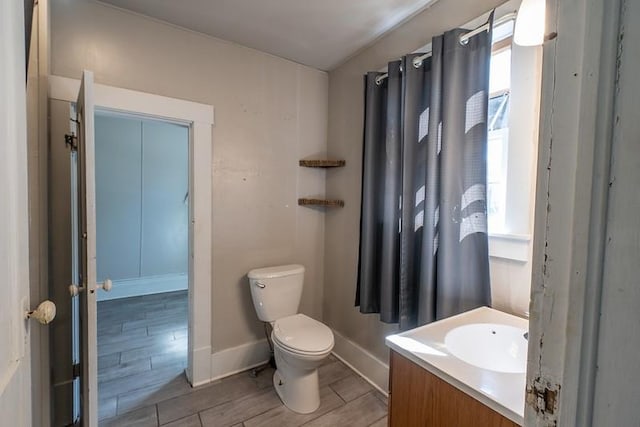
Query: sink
499	348
481	352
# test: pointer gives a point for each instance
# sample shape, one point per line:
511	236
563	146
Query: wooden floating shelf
321	202
322	163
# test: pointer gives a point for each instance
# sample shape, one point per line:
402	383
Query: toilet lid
302	333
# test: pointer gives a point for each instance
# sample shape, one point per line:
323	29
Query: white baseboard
237	359
233	360
145	286
200	363
365	364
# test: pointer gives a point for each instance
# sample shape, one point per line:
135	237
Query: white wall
269	113
165	210
142	179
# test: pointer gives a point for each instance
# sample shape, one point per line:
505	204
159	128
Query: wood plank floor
142	347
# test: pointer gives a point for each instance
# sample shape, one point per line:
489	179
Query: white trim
38	139
200	118
85	114
200	236
238	359
365	364
510	246
149	285
125	100
580	75
199	357
233	360
511	236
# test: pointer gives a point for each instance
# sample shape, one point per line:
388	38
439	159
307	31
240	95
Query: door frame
37	143
200	119
576	136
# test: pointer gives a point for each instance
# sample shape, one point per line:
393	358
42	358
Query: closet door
165	206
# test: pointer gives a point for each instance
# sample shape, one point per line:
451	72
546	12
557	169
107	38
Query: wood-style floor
142	347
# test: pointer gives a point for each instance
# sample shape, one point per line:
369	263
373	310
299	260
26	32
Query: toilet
300	342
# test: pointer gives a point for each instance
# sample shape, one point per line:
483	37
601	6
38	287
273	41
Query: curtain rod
417	61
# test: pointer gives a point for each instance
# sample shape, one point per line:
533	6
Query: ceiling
321	34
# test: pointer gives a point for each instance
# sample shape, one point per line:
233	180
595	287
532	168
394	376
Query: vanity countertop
425	346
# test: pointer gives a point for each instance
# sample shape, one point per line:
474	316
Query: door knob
44	314
74	290
106	286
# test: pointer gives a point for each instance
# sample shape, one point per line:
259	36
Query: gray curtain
423	229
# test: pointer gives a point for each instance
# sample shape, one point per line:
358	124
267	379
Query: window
498	138
514	101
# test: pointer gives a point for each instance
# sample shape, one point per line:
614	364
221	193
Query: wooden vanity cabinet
419	398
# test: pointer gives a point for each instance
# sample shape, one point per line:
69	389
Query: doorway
142	246
67	378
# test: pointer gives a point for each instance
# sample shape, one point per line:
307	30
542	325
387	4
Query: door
84	256
15	387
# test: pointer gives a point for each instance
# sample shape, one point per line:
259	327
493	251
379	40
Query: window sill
509	246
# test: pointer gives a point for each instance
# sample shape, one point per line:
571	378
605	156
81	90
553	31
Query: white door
86	222
15	387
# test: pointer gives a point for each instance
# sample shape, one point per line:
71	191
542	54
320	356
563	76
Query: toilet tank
276	291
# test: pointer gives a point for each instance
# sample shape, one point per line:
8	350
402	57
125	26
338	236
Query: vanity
466	370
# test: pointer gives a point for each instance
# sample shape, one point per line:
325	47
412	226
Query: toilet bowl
300	342
300	346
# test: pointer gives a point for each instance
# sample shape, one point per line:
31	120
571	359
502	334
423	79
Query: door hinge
543	397
71	141
76	370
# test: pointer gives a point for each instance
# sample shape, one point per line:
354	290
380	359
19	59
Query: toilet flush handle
261	285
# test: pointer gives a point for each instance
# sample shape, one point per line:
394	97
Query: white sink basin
499	348
464	351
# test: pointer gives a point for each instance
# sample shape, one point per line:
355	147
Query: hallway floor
142	381
142	348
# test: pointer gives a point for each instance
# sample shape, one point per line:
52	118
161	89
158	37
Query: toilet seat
303	335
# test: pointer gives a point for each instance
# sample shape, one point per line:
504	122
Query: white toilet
300	342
